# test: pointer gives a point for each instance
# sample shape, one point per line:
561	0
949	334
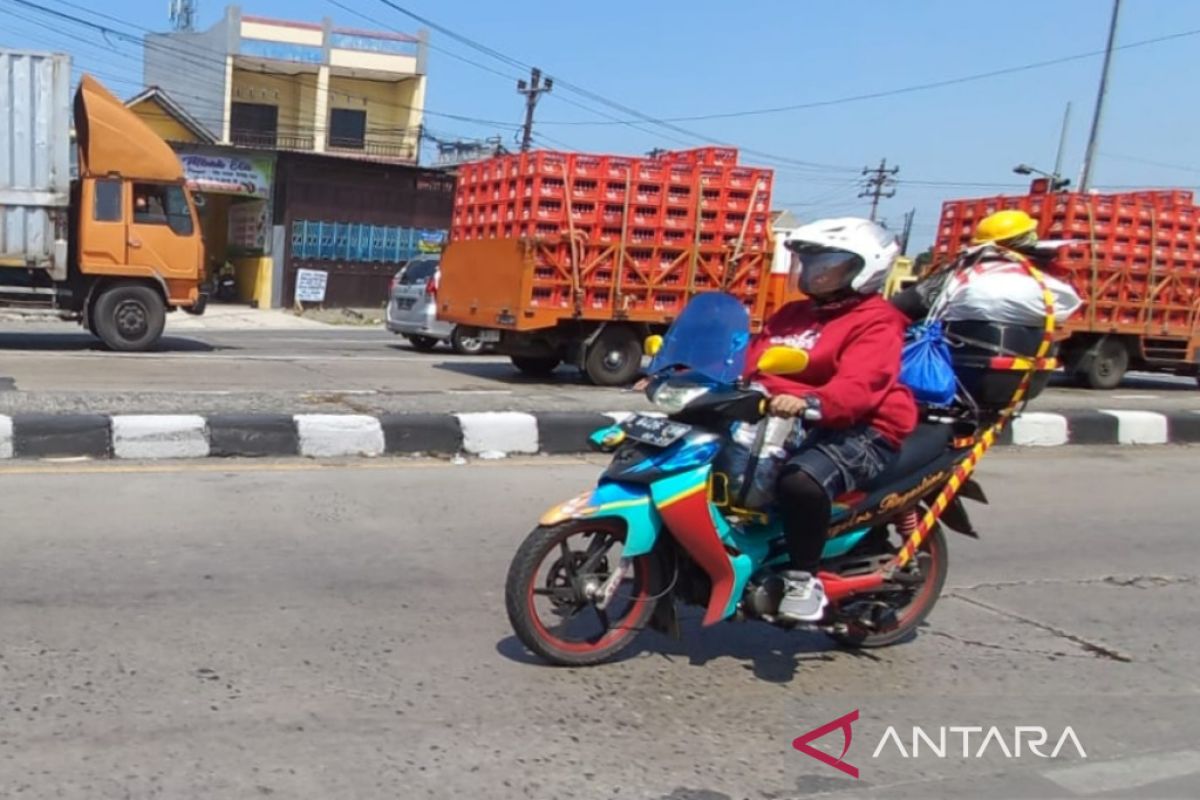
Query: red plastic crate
583	212
646	215
612	214
646	170
618	167
680	175
586	166
585	189
648	193
679	196
615	191
545	162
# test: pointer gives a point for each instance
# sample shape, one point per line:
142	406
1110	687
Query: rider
850	391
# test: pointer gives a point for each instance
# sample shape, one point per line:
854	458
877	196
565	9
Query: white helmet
831	256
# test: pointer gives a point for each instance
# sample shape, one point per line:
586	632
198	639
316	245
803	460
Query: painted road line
1139	427
337	435
496	433
1035	429
1126	773
159	436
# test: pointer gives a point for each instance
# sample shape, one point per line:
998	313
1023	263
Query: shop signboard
310	285
247	176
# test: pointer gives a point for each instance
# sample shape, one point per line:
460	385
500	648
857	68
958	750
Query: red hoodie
854	363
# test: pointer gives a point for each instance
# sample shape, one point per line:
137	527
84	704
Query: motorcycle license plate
654	430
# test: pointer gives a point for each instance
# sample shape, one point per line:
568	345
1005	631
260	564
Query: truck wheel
1107	366
423	344
615	358
466	341
129	318
536	366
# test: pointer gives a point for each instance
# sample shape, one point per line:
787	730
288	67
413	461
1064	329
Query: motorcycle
668	525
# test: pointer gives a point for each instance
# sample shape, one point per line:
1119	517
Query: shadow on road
82	342
503	372
1135	382
772	654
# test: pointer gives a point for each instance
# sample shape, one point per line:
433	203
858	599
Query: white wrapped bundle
1005	294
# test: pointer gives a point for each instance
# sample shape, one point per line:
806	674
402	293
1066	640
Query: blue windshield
710	337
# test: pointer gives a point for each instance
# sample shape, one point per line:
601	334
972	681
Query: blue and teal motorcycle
671	522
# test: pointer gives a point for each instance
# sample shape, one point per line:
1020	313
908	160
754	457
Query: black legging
806	509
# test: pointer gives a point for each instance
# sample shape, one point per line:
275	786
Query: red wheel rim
616	628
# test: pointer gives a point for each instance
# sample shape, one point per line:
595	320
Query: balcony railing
399	150
384	148
265	140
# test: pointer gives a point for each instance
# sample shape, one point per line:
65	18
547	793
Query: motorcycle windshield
710	337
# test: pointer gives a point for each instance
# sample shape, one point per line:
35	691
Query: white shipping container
35	146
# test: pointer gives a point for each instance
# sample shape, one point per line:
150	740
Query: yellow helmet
1003	226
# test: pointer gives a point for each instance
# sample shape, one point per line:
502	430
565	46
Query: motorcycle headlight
674	397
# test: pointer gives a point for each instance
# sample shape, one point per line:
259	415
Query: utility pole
1062	142
532	90
1089	156
907	232
880	183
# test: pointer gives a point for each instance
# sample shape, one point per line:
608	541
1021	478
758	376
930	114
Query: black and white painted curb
493	434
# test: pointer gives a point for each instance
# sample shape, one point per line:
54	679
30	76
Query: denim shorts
844	460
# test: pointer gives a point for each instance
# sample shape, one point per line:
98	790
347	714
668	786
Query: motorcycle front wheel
551	593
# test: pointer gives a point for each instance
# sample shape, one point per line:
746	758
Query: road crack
1005	648
1095	648
1134	581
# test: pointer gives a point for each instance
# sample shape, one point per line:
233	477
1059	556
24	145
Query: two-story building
302	140
286	85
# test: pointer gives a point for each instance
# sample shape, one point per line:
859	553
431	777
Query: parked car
412	311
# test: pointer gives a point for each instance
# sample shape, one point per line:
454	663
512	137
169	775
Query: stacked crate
656	201
1133	256
651	230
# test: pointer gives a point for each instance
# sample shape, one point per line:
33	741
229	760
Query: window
254	124
418	271
108	201
160	204
348	129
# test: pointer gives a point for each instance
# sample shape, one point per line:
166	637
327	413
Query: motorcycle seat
923	446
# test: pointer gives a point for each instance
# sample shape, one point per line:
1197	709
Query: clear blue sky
707	56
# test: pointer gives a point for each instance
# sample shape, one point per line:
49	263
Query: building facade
300	142
297	86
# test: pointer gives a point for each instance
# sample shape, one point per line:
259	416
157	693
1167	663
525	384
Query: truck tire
536	366
129	317
1107	365
615	358
422	344
465	341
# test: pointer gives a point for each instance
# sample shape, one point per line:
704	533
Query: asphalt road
304	631
56	368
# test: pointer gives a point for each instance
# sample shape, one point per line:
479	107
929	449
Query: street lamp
1057	182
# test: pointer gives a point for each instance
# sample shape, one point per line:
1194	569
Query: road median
480	434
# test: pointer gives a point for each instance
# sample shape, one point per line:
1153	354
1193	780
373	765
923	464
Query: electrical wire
206	60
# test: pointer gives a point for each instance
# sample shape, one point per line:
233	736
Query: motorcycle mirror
782	360
652	345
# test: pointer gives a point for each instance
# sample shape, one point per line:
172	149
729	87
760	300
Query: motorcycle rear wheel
562	586
911	614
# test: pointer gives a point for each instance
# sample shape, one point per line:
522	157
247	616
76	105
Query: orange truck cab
121	246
